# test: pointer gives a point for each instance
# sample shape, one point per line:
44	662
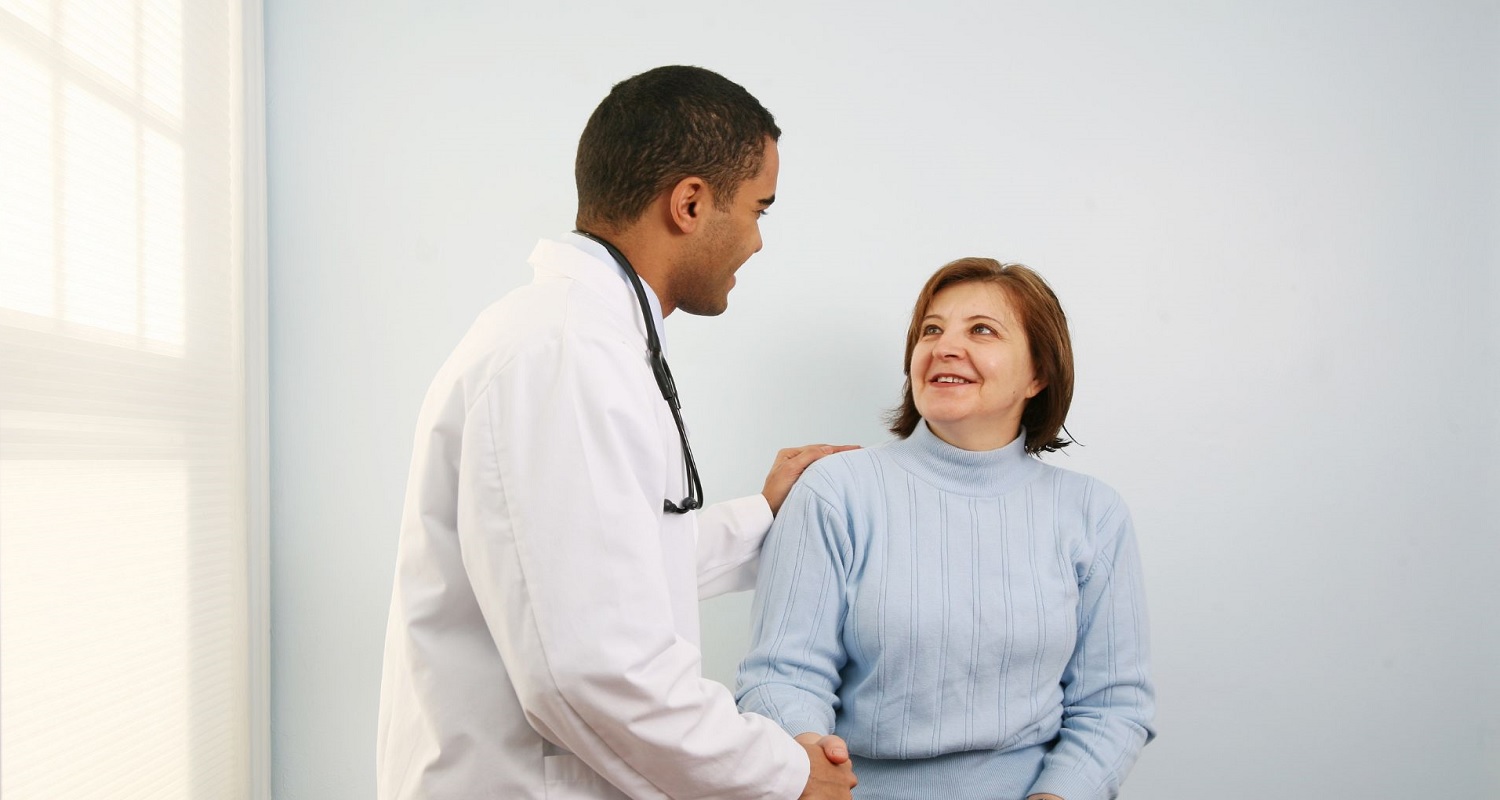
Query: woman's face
971	372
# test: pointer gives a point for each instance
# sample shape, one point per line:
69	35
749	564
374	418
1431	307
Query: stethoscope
694	500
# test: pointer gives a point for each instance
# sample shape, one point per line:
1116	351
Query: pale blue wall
1273	224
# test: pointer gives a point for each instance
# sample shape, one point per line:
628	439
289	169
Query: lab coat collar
586	261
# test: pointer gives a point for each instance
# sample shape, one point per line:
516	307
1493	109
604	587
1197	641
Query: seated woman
970	620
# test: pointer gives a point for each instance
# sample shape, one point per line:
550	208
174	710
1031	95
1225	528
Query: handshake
830	774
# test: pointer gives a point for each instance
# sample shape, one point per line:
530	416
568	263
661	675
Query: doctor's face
726	240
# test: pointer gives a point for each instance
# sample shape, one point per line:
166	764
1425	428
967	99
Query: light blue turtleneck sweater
972	623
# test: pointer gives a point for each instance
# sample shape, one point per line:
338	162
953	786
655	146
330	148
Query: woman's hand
1043	797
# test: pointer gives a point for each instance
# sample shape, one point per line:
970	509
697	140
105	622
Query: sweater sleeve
1108	698
792	671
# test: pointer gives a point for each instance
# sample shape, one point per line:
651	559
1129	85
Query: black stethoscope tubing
664	381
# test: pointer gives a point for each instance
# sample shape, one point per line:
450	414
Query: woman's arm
1108	699
792	671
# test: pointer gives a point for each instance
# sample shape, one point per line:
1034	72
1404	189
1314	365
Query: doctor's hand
826	780
834	749
789	466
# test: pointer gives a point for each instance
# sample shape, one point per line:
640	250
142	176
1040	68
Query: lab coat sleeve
1108	698
560	524
729	539
791	673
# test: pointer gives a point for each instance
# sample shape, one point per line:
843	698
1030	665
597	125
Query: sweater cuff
802	720
809	725
1067	785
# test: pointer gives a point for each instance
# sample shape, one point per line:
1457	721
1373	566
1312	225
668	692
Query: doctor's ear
687	201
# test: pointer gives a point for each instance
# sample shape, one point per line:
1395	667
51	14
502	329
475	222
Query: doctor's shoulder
525	320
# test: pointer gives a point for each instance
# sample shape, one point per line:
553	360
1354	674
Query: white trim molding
257	393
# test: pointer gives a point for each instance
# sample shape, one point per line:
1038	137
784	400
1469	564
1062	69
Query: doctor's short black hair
662	126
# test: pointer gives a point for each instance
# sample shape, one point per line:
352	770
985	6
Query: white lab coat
543	634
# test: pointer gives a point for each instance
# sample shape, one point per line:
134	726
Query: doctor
543	633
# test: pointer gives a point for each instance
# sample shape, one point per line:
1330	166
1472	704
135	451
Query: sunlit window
123	614
95	200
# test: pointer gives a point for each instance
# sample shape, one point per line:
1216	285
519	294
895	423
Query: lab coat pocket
568	778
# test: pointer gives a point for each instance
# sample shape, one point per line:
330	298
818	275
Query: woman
970	620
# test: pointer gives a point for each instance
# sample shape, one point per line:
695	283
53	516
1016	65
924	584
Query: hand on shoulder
789	466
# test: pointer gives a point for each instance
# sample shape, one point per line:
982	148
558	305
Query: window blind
124	621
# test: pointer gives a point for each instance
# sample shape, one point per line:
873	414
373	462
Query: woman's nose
948	346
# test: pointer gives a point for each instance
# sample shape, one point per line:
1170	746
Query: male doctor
543	634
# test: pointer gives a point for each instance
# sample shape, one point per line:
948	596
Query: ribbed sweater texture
972	623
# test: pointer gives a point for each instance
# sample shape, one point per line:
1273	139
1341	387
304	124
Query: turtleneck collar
985	473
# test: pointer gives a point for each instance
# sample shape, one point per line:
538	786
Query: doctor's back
447	692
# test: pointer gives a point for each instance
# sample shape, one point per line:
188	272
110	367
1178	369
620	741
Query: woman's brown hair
1046	329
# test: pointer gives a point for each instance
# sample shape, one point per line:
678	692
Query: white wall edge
257	395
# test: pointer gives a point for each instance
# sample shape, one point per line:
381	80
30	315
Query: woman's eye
983	329
931	330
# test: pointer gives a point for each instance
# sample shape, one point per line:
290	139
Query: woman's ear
1036	387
